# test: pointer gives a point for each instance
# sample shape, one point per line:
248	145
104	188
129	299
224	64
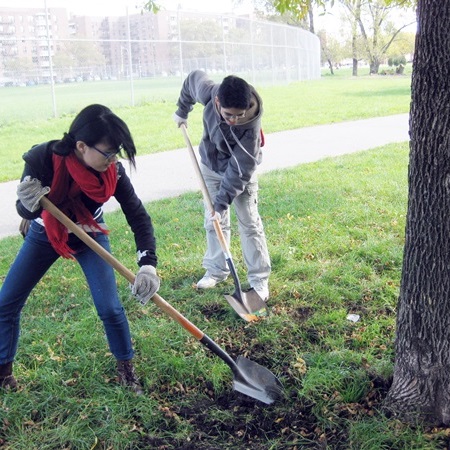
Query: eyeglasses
228	115
108	155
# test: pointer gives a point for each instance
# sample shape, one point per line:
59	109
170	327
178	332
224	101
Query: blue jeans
33	260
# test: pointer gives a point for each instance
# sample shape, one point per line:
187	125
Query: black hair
98	124
234	92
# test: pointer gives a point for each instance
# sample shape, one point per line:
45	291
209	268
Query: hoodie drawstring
231	150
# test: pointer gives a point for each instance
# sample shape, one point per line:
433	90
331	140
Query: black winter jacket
38	164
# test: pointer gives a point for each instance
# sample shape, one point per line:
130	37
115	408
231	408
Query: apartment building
36	43
27	39
40	45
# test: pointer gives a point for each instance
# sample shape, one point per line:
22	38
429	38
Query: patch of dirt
214	311
233	421
302	314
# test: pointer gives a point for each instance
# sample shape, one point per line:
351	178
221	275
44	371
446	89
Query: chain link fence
136	58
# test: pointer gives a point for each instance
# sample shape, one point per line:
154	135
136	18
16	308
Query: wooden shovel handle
205	192
117	265
203	187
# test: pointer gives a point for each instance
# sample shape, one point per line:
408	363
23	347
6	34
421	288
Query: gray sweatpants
251	232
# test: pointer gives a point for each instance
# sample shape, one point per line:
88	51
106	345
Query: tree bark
354	67
311	17
355	21
420	391
374	66
330	65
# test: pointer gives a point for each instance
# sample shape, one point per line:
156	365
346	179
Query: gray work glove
146	284
215	216
179	120
30	191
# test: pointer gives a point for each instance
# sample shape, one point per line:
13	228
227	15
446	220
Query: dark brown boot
128	377
7	380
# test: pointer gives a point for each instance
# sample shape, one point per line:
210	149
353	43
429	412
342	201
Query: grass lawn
336	249
330	99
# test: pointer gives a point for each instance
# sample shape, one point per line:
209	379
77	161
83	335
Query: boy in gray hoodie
230	152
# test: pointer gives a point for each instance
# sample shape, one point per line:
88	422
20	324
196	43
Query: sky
118	7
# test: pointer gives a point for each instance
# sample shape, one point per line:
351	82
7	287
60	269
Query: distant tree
63	64
300	8
374	21
150	5
403	46
356	16
19	69
86	57
266	9
333	51
369	21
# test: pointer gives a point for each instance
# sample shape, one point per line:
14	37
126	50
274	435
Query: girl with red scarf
79	173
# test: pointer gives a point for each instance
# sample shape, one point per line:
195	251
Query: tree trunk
374	66
354	67
311	18
421	383
330	65
355	21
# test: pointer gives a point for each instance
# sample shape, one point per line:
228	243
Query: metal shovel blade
256	381
248	304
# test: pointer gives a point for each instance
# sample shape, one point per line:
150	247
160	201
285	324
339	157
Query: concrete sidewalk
170	174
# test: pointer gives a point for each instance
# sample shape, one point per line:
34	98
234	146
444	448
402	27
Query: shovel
248	304
250	378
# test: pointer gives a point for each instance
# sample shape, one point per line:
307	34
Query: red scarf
71	178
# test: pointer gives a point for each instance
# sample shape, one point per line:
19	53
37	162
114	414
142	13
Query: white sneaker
207	282
263	293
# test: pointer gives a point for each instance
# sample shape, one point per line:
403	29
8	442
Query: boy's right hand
179	120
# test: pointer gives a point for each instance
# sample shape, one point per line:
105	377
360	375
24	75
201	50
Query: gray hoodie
233	151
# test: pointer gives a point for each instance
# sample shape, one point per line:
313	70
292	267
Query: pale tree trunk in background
311	18
330	65
355	21
421	382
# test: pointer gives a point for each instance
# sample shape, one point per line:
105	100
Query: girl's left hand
146	284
